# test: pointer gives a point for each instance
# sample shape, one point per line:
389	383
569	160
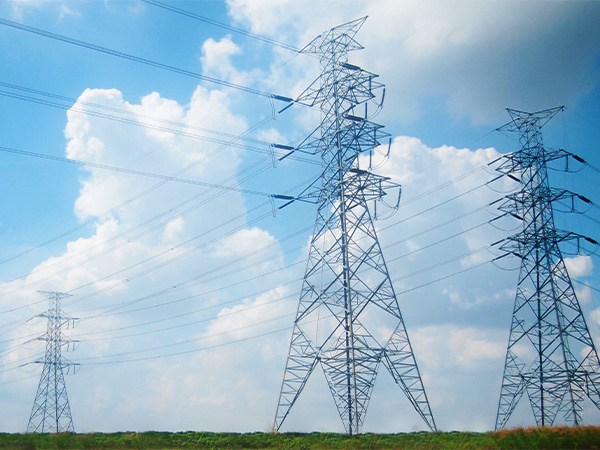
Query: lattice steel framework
550	355
51	412
347	292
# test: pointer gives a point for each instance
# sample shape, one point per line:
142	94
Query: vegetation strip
586	437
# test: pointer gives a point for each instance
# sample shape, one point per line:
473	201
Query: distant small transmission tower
51	412
347	295
550	355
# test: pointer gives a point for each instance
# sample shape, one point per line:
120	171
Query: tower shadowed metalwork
550	355
347	297
51	412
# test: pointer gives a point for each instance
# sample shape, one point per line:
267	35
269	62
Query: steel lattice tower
51	412
346	285
550	355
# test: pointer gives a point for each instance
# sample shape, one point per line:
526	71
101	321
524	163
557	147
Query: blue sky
186	293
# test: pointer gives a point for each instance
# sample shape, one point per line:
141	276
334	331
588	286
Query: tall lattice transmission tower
51	412
347	293
550	355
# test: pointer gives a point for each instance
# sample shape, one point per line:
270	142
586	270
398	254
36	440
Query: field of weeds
587	437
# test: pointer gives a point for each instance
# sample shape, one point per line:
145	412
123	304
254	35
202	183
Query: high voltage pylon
551	355
347	294
51	412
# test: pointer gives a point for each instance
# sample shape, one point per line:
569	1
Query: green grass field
587	437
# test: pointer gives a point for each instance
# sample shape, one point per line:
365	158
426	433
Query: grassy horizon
562	437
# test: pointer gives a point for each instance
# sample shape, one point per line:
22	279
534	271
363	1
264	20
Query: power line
437	280
187	352
135	172
260	323
173	210
445	239
148	62
169	318
123	243
230	143
110	311
458	177
437	205
587	285
76	101
218	227
221	24
179	343
428	268
179	325
176	258
441	263
295	280
405	291
242	136
136	197
136	122
443	224
403	277
270	149
168	289
228	263
585	119
191	340
411	289
389	226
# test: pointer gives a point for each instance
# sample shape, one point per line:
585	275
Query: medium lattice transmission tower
347	293
51	412
550	355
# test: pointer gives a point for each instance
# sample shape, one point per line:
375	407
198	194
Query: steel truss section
51	412
551	356
347	292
